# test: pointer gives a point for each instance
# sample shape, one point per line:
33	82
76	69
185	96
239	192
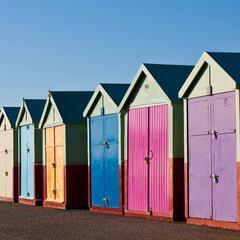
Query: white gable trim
99	90
21	112
141	70
50	101
205	58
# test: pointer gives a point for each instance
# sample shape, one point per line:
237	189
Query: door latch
214	177
6	173
54	192
106	200
28	150
105	143
6	151
149	157
54	165
213	133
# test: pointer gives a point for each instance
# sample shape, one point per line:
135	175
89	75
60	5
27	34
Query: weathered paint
212	155
104	161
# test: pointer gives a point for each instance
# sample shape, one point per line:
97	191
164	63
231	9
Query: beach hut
30	151
154	142
105	155
65	149
212	150
8	155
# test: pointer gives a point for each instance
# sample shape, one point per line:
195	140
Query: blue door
104	161
26	161
97	156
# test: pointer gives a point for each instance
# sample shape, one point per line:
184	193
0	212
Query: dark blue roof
12	113
170	77
35	107
71	105
116	90
229	61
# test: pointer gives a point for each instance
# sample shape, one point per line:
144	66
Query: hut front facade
65	150
153	117
30	152
8	154
212	168
105	155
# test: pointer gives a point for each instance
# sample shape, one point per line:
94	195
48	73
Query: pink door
158	152
148	188
137	151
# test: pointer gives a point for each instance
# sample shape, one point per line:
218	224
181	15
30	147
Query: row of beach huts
166	146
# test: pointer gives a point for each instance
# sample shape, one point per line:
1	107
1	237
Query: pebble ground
26	222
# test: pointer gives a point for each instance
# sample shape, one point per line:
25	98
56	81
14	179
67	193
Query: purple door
224	158
158	165
200	197
137	151
212	157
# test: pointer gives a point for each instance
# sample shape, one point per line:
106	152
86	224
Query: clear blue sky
74	44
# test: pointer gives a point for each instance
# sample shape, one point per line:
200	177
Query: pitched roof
35	108
115	90
169	77
229	61
12	113
71	104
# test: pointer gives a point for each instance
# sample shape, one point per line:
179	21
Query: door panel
97	175
111	174
158	152
59	173
224	113
97	161
30	167
137	151
198	116
2	164
2	174
225	190
50	181
9	175
24	161
200	200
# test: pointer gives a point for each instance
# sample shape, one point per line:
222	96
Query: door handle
6	173
54	165
6	151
